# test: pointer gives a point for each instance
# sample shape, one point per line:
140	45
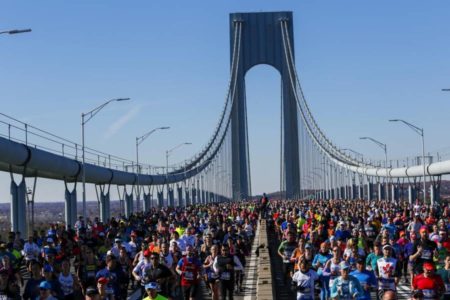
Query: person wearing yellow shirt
152	292
180	230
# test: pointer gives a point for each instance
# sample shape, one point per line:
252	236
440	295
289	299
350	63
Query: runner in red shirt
428	283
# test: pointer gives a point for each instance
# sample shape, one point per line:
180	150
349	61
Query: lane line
250	281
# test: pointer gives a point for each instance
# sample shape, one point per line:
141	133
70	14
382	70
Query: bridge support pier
160	196
361	191
18	207
411	194
353	191
187	198
128	204
394	192
170	197
369	191
435	193
380	191
105	207
70	205
147	201
180	196
203	196
194	196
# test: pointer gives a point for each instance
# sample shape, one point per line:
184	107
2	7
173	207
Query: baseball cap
49	240
45	285
151	286
344	265
117	240
48	268
387	246
103	280
423	229
147	253
308	246
360	260
428	266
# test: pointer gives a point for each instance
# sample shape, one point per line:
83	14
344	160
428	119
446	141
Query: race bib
431	294
91	274
331	282
426	254
188	275
225	276
387	284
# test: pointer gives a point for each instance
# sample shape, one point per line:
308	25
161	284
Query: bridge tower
262	43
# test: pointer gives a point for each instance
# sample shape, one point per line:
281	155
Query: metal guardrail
18	131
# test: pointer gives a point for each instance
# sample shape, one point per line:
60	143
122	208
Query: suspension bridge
312	165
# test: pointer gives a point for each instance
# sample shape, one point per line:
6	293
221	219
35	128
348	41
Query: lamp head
122	99
16	31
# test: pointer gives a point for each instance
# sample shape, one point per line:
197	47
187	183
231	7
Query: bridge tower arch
262	43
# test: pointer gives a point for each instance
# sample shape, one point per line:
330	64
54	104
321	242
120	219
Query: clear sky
360	62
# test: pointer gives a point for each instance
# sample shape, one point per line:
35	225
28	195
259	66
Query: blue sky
361	63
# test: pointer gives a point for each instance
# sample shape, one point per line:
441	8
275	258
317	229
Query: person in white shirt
303	281
189	237
30	250
180	242
132	245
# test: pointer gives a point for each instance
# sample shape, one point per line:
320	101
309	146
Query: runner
303	281
388	272
346	287
428	284
190	270
224	265
285	251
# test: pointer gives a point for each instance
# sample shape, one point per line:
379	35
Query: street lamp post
139	141
89	116
15	31
384	147
420	132
168	152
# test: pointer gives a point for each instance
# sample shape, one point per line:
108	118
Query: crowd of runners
167	253
337	249
355	249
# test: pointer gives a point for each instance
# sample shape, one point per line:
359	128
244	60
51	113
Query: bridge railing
21	132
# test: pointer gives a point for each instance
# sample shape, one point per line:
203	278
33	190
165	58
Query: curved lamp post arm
95	111
15	31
